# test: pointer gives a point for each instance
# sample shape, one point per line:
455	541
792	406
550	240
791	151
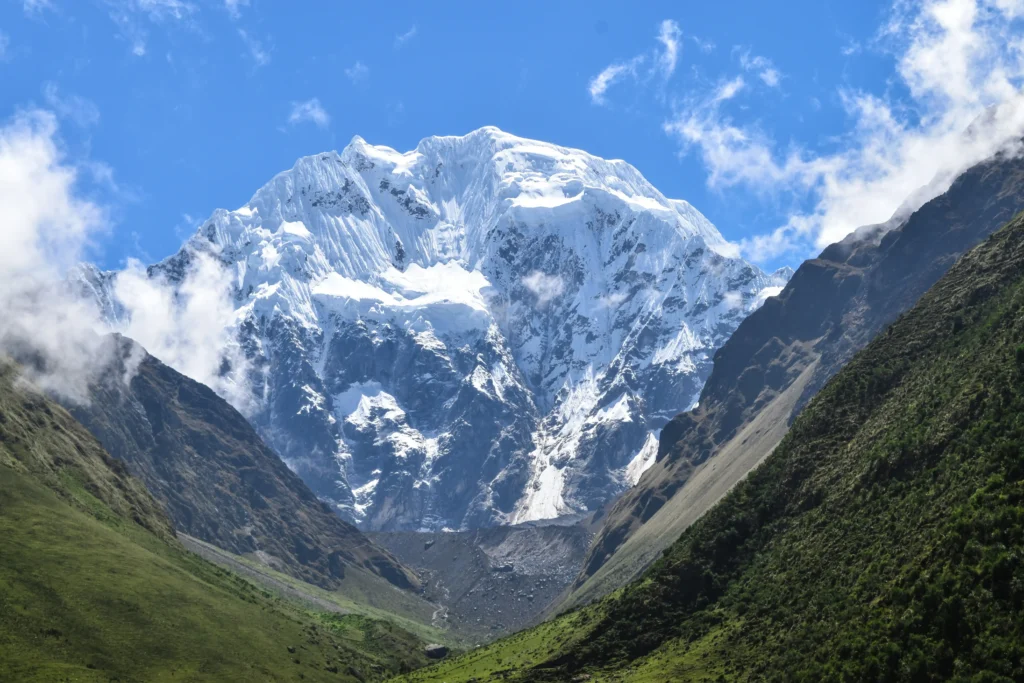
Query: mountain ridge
216	478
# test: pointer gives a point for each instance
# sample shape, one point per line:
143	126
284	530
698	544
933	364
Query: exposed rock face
217	480
491	582
782	354
484	330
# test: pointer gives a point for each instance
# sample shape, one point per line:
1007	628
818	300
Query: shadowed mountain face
217	480
782	354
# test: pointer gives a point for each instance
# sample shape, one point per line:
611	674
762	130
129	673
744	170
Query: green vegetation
882	540
94	587
361	594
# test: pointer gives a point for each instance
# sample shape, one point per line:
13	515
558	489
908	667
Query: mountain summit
484	330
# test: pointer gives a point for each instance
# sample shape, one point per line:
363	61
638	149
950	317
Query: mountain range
484	330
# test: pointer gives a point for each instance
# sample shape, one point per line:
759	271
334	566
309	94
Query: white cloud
131	18
611	301
260	56
34	6
77	109
58	333
729	89
5	43
47	227
663	61
543	286
404	38
358	72
234	7
600	83
961	61
188	326
763	66
669	35
705	46
309	111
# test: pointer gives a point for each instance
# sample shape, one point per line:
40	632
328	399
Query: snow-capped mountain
484	330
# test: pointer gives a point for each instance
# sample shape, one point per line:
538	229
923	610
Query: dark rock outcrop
217	480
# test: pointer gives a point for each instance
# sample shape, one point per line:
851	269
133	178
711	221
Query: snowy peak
484	329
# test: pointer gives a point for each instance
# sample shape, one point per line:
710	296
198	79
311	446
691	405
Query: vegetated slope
484	330
879	541
782	354
94	587
216	478
494	581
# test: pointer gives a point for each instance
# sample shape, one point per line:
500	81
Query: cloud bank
960	67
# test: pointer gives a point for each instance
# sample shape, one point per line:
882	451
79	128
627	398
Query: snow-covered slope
486	329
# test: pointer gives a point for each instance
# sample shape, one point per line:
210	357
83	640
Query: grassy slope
93	586
361	593
880	541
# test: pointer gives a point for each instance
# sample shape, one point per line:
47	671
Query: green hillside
882	540
93	586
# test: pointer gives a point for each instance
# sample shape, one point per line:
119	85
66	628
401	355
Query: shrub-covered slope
94	587
880	541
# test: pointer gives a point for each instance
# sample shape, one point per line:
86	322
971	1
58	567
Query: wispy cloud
762	66
234	7
600	83
358	72
669	35
310	111
728	89
132	16
260	56
663	61
544	287
5	43
404	38
35	6
77	109
962	63
705	46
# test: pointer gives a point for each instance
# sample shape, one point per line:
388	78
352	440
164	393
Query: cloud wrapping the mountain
47	227
58	334
188	329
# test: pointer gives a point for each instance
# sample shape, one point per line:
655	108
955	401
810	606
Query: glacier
485	330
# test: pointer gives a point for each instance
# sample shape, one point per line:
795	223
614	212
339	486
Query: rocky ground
490	582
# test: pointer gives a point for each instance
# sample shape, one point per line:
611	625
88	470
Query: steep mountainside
879	541
780	357
94	587
483	330
491	582
217	480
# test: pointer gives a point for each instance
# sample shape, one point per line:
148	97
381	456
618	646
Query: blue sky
787	124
